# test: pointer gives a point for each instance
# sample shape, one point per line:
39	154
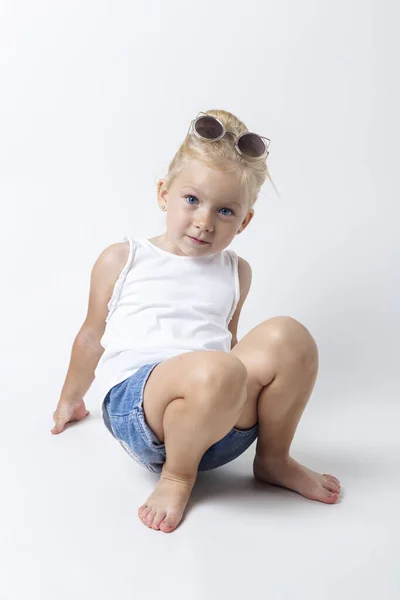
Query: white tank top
163	305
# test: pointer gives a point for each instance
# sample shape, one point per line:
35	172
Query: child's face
206	204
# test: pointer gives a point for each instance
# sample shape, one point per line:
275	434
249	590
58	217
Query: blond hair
222	156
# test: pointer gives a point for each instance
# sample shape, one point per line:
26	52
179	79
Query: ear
246	220
162	194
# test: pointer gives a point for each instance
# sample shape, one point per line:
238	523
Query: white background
95	98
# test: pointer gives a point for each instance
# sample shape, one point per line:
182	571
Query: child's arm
86	349
245	275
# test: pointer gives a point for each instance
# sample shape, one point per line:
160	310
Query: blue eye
190	197
227	209
193	204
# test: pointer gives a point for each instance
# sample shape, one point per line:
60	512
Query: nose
203	221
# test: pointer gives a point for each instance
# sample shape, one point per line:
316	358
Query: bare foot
165	507
292	475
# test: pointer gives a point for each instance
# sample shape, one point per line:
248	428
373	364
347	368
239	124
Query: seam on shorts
246	431
141	415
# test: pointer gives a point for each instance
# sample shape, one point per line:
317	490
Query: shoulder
115	255
111	262
245	276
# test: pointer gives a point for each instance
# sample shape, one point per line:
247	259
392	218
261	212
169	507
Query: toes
160	516
150	518
144	514
332	477
158	520
166	526
326	496
169	524
330	485
332	480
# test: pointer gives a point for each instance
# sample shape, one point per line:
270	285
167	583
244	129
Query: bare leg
191	425
280	407
281	359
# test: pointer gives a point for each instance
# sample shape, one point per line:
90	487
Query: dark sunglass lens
251	145
208	128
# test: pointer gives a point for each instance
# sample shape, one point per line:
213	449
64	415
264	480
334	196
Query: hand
68	411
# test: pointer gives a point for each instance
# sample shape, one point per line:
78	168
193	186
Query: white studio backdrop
96	98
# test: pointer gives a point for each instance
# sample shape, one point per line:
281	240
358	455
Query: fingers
59	426
68	412
61	420
61	417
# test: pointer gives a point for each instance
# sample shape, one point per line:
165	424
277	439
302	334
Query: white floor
70	527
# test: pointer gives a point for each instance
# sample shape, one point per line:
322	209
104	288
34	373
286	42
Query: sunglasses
249	145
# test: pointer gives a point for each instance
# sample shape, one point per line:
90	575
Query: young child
181	394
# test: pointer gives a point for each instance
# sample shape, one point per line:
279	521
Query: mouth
197	241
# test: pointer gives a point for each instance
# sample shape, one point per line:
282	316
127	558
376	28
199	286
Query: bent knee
293	335
217	370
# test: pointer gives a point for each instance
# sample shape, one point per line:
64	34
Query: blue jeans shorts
123	415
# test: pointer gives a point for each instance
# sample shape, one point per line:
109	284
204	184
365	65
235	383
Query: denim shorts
123	415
